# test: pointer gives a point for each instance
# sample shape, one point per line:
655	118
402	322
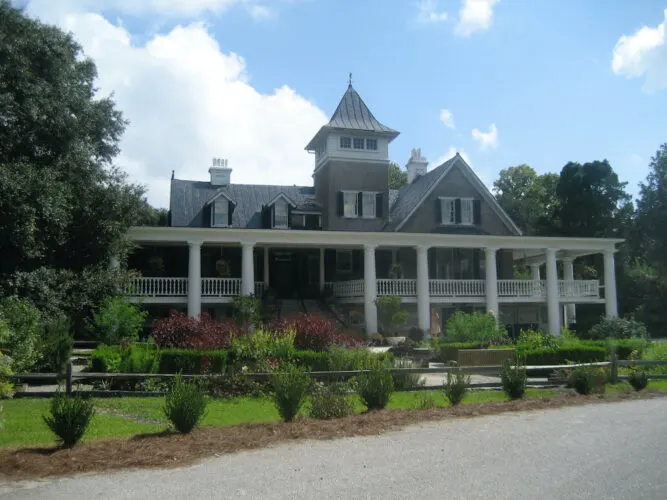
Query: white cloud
475	16
450	154
187	101
487	139
643	54
447	118
428	12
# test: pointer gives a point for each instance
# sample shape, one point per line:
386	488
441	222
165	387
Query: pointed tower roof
352	114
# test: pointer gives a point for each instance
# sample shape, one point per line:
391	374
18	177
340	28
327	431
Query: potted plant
222	268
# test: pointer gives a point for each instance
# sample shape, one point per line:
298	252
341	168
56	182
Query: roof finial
350	82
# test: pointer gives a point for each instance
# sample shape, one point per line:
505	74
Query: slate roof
188	200
352	113
409	196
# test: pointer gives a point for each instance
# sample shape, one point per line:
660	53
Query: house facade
441	243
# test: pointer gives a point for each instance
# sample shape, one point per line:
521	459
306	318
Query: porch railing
457	288
579	288
352	288
157	287
401	288
220	287
522	288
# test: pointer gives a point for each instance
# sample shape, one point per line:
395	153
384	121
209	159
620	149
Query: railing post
613	377
68	378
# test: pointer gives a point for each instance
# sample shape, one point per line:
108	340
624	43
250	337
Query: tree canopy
397	177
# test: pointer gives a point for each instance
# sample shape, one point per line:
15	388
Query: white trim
283	196
218	195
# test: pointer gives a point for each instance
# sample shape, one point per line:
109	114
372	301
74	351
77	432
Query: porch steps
314	306
290	308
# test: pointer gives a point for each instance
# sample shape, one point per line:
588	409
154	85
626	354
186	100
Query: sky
503	82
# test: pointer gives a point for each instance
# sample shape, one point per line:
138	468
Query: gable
457	182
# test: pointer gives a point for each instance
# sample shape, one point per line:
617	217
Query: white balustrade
400	288
157	287
220	287
457	288
522	288
353	288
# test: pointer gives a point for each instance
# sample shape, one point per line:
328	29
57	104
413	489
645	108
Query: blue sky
553	77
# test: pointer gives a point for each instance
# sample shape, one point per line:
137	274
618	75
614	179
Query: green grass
656	385
24	426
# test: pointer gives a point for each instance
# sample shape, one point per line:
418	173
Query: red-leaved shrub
180	331
313	332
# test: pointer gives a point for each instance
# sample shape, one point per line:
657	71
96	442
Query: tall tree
525	196
397	177
64	207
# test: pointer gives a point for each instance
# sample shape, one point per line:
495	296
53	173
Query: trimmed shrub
625	347
255	349
342	359
22	329
69	417
513	377
474	327
563	355
587	380
456	386
330	401
533	339
182	332
375	387
638	379
56	346
312	361
618	328
185	405
191	362
6	386
448	351
290	386
407	381
106	359
117	320
139	358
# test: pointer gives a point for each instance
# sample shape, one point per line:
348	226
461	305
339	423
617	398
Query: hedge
192	362
449	351
563	355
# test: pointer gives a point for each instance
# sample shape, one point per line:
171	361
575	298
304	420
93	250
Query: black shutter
266	217
360	204
379	206
438	211
289	215
457	210
273	215
341	203
476	212
230	213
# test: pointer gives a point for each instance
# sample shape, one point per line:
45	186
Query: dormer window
346	142
372	144
358	143
281	214
220	213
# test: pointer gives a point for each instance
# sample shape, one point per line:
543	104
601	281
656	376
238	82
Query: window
280	214
220	212
345	143
350	200
368	209
448	210
343	261
466	211
298	220
372	144
358	143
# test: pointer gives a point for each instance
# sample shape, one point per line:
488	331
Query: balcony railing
178	287
457	288
402	288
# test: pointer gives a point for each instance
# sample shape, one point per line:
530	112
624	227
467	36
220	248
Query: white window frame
348	269
214	212
373	196
354	213
467	211
348	140
372	141
448	211
282	203
358	140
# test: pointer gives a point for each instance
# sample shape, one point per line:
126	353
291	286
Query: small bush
375	387
117	320
576	354
533	339
56	345
456	386
192	362
69	417
331	401
22	329
185	405
290	386
407	381
342	359
474	327
139	358
6	386
106	359
513	377
638	379
182	332
587	380
312	331
261	345
426	402
618	328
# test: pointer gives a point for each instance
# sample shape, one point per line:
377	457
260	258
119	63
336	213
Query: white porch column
491	284
322	278
247	269
194	279
370	290
553	308
610	303
423	299
266	267
535	272
568	276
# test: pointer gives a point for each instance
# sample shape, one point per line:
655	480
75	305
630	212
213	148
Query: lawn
124	417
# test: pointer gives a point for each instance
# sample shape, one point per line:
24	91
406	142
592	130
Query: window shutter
438	211
273	215
477	212
340	209
457	210
266	217
379	206
230	212
360	203
289	216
